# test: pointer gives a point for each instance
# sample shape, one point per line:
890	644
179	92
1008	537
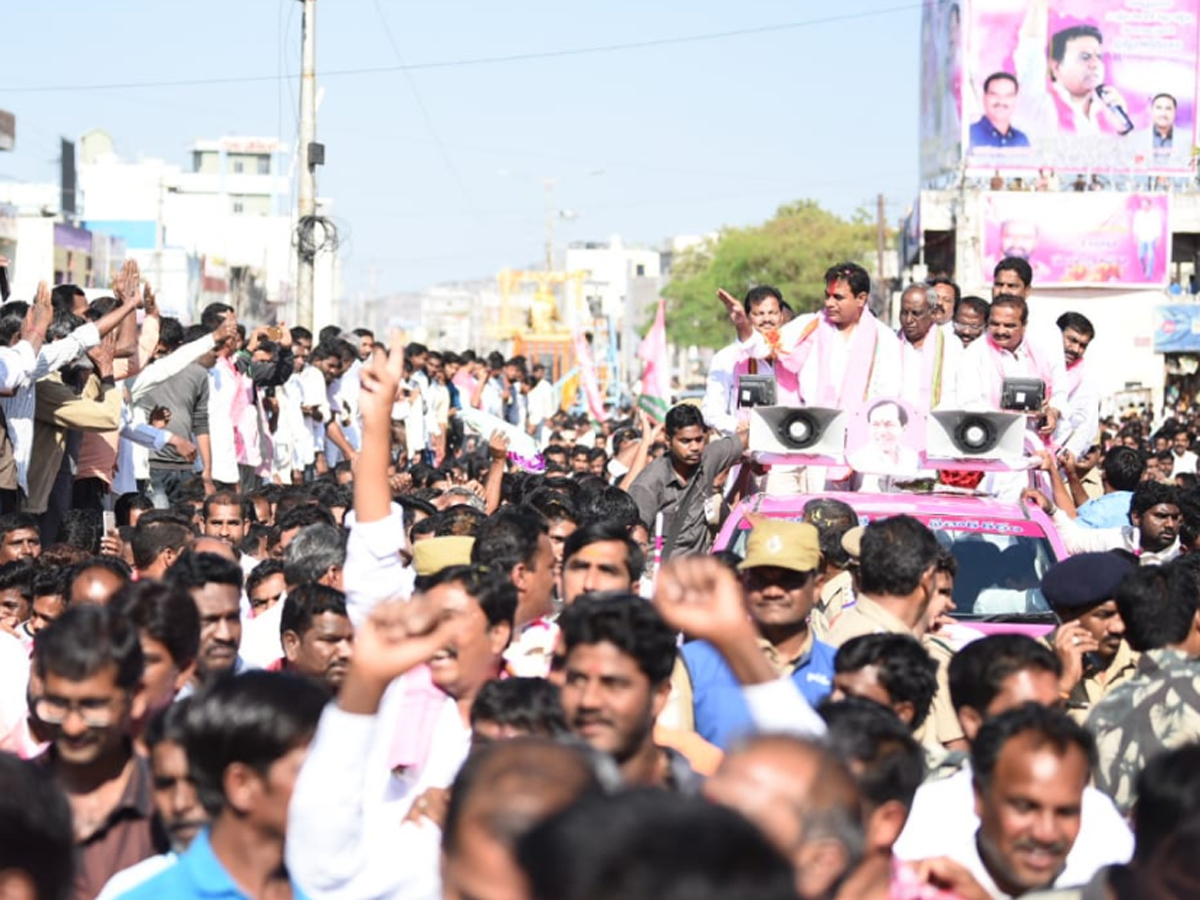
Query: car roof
967	508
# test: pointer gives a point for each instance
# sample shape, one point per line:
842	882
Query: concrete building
1123	354
219	229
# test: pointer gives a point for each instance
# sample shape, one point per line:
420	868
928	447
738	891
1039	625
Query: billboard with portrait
940	115
1097	238
1079	85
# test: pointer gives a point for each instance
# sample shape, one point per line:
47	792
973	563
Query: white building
221	229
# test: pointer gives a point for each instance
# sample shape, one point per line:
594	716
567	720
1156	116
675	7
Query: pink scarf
1040	366
857	380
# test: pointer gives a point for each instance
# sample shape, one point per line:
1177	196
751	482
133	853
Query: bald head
918	304
503	791
802	798
216	546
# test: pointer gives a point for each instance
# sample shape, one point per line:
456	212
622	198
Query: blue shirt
985	134
1109	511
718	705
198	874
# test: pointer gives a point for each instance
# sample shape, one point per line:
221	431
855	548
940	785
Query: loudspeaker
959	434
799	431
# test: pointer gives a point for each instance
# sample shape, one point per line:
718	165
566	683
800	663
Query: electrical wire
480	60
412	85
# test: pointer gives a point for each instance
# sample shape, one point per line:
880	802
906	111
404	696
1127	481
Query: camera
1022	394
755	390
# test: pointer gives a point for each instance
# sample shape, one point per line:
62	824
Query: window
238	166
238	207
641	270
264	165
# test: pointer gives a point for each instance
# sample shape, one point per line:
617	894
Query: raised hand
398	636
103	354
226	331
39	317
498	445
127	284
702	598
380	376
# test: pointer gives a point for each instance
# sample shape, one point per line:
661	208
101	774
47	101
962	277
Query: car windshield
998	573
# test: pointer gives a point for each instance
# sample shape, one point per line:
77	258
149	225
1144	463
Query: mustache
583	719
1055	848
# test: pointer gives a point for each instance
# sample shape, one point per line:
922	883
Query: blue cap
1085	579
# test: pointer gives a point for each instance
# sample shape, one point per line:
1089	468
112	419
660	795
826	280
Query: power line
480	60
412	86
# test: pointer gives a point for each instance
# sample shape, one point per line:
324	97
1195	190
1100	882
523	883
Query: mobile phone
109	521
4	291
274	332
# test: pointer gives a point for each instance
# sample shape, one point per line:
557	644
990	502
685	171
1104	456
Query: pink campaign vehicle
1003	549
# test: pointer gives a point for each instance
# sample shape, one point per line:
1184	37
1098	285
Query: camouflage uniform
1157	710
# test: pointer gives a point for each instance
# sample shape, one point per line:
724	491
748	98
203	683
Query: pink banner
1079	239
588	379
1078	85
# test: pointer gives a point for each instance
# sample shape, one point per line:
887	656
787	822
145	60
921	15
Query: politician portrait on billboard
1079	85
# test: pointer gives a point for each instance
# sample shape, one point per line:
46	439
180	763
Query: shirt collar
880	616
206	871
777	659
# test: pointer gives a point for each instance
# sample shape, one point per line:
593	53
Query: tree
790	251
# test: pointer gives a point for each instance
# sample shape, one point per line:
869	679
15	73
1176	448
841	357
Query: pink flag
656	376
587	377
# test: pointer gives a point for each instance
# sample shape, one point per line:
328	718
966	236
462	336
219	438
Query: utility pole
305	238
880	247
551	212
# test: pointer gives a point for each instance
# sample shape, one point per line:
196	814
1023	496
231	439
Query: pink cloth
1040	365
419	710
864	346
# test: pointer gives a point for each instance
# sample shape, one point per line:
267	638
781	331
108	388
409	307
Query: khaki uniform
1097	684
837	594
865	617
679	713
941	726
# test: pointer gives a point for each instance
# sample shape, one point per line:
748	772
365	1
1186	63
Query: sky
723	112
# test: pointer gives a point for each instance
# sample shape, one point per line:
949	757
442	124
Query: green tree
791	251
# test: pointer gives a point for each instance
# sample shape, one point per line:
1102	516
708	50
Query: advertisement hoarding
940	114
1079	85
1091	239
1177	329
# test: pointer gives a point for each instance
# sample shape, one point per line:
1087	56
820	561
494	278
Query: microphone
1126	123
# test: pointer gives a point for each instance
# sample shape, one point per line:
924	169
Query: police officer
1090	639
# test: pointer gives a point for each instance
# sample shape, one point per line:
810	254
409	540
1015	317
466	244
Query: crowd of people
339	641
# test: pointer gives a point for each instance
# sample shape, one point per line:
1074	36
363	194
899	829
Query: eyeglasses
959	328
94	713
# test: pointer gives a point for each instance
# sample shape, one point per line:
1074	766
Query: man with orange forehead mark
836	358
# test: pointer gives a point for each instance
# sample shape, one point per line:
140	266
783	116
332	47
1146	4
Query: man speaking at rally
835	359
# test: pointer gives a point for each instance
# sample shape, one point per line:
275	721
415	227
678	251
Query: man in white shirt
1077	429
223	386
928	355
1007	352
760	311
989	677
540	401
1184	460
1152	533
1030	768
